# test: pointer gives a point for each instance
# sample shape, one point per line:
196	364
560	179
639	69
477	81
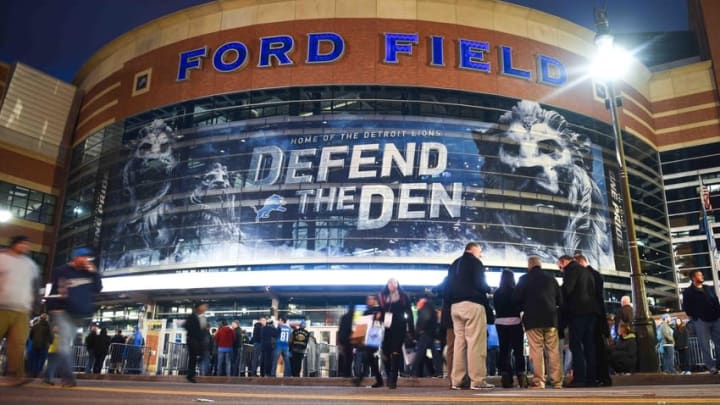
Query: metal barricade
328	360
245	365
128	359
80	358
175	359
3	357
696	356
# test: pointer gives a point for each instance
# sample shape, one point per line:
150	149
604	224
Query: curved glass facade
357	176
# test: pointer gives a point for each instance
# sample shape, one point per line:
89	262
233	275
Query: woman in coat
395	305
510	332
682	337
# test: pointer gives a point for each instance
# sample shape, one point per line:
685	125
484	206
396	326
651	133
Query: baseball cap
83	251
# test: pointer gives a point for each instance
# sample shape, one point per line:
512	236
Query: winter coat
624	354
41	335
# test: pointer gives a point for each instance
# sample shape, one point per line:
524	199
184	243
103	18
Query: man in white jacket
18	276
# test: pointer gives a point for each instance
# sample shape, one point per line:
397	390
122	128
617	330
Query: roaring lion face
145	175
538	153
534	146
155	147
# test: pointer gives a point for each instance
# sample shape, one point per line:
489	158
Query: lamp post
611	59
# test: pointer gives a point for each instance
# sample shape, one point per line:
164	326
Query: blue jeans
706	331
224	360
668	359
285	353
90	361
37	361
582	346
52	365
204	363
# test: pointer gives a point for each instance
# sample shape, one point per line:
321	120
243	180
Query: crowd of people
473	333
221	351
572	341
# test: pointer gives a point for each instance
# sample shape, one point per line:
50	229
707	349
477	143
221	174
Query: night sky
58	36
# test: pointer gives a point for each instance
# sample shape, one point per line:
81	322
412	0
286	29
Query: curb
639	379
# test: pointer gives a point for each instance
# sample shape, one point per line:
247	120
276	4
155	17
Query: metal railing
174	360
121	359
321	361
696	356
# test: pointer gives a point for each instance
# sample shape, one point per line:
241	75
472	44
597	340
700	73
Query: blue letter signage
329	47
190	60
334	40
398	43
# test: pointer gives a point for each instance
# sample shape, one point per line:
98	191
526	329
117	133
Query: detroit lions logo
272	203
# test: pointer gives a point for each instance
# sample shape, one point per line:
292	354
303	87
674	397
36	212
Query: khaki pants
470	349
543	341
449	351
15	326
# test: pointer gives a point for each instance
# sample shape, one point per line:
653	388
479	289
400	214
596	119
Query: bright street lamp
5	215
609	64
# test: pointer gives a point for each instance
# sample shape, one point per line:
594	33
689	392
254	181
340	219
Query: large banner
351	186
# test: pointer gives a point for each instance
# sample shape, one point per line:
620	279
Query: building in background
37	117
296	154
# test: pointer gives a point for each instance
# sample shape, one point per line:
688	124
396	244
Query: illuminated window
27	204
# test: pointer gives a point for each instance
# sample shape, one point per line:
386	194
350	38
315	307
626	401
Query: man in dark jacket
539	297
580	303
298	344
196	324
602	330
41	337
701	304
256	341
425	329
269	334
90	347
345	348
238	366
72	302
468	299
116	352
101	345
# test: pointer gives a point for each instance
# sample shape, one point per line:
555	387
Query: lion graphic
273	203
216	206
538	153
146	235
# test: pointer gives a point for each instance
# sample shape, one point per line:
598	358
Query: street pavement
162	392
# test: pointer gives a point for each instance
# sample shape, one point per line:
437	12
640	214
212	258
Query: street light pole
644	326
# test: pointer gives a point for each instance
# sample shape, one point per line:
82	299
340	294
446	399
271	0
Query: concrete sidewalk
639	379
